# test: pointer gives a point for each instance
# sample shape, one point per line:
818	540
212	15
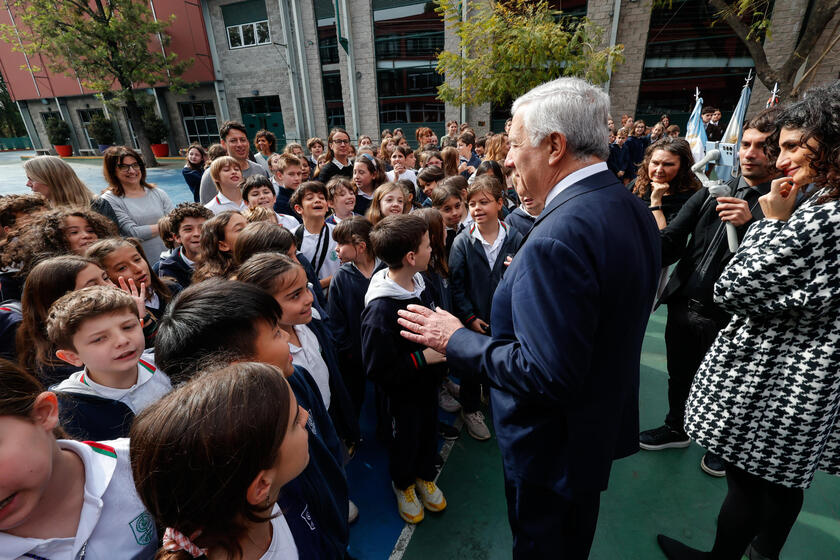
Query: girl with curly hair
58	232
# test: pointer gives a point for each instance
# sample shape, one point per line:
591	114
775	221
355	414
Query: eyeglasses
126	167
341	142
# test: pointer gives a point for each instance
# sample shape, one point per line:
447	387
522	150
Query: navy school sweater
345	305
391	361
473	282
520	220
312	278
362	205
281	203
323	483
176	268
342	411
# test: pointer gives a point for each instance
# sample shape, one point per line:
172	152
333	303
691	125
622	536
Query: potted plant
157	132
58	133
102	130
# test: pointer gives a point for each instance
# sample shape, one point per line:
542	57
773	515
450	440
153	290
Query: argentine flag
733	133
695	132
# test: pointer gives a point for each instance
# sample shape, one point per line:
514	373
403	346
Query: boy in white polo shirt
226	175
99	328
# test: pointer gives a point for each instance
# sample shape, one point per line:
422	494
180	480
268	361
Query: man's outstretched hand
427	327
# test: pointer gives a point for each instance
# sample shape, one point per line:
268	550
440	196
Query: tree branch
762	65
822	14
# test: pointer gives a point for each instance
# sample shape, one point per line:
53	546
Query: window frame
240	29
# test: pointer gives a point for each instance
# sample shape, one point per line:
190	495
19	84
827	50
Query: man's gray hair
574	108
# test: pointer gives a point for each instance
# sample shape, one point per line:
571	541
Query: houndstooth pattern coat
767	395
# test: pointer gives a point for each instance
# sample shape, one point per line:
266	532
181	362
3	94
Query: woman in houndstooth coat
767	396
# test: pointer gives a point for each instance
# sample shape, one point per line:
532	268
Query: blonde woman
55	180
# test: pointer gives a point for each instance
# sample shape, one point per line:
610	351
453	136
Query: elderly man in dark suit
568	321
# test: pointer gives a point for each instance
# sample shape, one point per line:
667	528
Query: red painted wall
189	40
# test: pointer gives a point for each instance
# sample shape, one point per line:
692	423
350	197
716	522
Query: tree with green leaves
11	124
751	22
508	47
110	45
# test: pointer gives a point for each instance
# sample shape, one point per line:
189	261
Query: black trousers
546	525
414	430
353	374
754	511
688	336
470	394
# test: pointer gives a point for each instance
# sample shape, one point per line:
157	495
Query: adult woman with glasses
338	157
137	204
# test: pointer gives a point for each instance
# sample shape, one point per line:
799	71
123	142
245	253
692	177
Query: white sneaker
431	495
353	513
474	421
409	506
447	402
453	388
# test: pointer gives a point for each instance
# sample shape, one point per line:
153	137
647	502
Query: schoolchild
618	160
124	261
347	300
314	235
430	158
241	439
316	148
258	191
218	235
446	199
341	195
63	498
48	281
310	340
401	170
226	175
468	161
389	199
286	176
17	209
427	181
263	238
98	329
407	372
476	263
222	322
523	216
186	221
368	174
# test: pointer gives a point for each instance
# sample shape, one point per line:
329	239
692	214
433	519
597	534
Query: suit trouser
688	336
548	525
414	444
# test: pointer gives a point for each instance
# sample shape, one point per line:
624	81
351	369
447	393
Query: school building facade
301	67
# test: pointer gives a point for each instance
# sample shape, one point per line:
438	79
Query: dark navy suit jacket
568	320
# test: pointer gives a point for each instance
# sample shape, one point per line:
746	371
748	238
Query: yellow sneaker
408	504
431	495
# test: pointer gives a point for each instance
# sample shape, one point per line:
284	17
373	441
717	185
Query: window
248	35
47	116
246	24
85	116
199	118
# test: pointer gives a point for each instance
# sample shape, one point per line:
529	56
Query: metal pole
351	69
613	37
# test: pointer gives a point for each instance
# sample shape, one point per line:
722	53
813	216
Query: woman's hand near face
659	190
780	202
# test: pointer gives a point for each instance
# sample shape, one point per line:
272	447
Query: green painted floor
649	493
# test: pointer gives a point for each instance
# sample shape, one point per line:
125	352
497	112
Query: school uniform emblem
143	527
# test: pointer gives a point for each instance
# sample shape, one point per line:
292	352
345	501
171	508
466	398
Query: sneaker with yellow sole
431	495
409	506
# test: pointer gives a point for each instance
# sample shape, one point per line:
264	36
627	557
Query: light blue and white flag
695	132
734	131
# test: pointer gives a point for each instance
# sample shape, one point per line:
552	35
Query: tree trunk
135	115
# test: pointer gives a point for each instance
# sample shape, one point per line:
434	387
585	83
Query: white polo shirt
491	250
308	355
113	522
221	203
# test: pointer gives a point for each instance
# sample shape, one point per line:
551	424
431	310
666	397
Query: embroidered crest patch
143	527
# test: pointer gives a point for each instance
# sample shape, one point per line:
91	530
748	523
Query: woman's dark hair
213	262
261	237
196	166
685	181
437	238
211	321
113	157
44	237
100	250
268	135
48	281
266	270
196	451
492	167
817	116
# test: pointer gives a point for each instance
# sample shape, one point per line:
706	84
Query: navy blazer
568	321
